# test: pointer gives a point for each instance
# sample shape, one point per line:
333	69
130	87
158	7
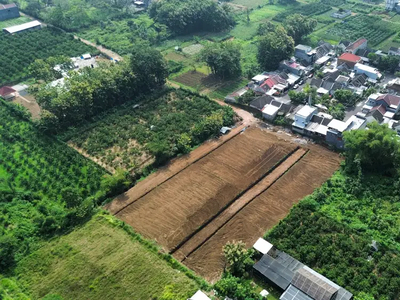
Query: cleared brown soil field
174	210
265	211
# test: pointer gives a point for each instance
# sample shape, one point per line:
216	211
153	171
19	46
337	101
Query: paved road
354	110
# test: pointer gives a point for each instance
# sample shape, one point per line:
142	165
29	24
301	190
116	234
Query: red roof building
349	59
7	92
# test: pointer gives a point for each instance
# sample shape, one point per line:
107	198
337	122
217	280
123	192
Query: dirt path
103	50
204	234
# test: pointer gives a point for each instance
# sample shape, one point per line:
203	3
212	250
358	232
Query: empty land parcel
236	192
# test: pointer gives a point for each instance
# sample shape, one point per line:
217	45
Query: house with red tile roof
7	93
349	59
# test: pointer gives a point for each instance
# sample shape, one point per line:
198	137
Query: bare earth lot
236	192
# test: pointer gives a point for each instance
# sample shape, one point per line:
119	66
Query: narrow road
103	50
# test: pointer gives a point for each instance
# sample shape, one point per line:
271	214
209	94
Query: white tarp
262	246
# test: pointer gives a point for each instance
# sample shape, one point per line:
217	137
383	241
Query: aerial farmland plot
236	192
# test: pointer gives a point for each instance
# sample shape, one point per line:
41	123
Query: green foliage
238	258
298	26
388	63
346	97
332	230
165	124
274	47
377	149
43	69
311	9
9	290
223	59
18	51
247	97
110	261
190	16
298	97
373	28
236	288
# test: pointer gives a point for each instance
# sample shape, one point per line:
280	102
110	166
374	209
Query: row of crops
373	28
18	51
311	9
30	161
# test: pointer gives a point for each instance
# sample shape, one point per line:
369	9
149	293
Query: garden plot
193	49
132	135
373	28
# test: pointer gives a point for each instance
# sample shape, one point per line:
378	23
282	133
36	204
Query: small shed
7	93
262	246
199	295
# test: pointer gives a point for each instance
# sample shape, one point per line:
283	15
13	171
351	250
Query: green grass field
12	22
100	261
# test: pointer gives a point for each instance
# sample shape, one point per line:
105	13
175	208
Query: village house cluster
341	67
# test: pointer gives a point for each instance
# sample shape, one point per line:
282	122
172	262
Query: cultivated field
236	192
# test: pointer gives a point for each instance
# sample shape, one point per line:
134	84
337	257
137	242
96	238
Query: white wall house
371	72
303	117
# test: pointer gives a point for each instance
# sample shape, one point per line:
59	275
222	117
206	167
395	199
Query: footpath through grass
101	261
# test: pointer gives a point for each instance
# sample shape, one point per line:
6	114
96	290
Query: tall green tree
376	149
223	59
299	26
238	258
149	67
274	47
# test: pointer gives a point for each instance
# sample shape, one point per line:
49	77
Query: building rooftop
354	123
350	57
270	110
306	111
262	246
7	6
366	68
6	90
337	125
199	295
303	48
17	28
356	44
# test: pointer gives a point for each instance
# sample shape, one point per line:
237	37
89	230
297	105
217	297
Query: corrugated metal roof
17	28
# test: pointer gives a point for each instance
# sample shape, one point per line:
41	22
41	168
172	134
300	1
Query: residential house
357	45
277	106
7	93
8	11
259	79
334	134
343	45
318	125
372	73
23	27
303	117
304	54
394	86
349	59
382	106
394	51
292	67
260	102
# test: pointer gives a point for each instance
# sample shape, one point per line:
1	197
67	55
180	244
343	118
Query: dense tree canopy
299	26
375	150
223	59
189	16
274	47
238	258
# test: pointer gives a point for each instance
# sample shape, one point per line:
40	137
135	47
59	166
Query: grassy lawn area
101	261
12	22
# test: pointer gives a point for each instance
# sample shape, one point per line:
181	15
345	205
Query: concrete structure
349	59
304	54
23	27
8	11
334	135
303	117
372	73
